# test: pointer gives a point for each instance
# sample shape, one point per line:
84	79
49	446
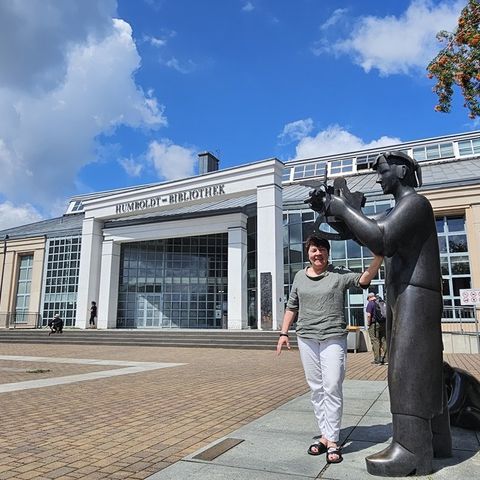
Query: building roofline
92	196
394	146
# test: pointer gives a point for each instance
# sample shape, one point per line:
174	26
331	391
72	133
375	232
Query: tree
458	63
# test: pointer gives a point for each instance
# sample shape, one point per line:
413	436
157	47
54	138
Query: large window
315	169
469	147
433	151
338	167
61	279
23	288
455	264
252	271
171	283
298	225
286	174
351	255
365	162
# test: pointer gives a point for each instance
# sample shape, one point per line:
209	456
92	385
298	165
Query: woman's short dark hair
317	241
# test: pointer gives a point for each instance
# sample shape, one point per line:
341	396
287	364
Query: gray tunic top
320	302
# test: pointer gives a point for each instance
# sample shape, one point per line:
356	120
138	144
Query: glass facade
252	271
298	225
455	265
61	279
174	283
24	284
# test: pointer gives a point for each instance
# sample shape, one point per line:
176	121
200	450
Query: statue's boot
410	453
442	436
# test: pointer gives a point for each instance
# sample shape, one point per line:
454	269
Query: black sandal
317	448
334	451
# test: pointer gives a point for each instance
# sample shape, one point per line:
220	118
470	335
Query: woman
317	297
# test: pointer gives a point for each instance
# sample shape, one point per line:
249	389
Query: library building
219	250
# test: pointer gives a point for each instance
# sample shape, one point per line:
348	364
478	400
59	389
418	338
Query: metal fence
459	319
20	319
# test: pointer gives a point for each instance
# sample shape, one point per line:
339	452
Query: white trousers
324	365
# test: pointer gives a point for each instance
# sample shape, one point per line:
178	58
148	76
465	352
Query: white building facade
227	303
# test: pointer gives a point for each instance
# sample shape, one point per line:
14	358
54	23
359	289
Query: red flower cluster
458	63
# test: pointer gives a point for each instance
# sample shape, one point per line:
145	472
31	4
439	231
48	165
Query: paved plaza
105	412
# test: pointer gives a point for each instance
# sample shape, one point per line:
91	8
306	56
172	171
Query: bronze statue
406	236
463	392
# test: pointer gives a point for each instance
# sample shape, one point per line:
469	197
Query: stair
247	339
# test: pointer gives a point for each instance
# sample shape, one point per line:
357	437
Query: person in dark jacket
56	325
93	315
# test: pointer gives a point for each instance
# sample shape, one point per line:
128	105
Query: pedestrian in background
376	322
56	324
93	314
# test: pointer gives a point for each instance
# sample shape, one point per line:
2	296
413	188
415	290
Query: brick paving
17	371
135	425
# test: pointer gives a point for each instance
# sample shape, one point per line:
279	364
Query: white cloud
132	167
185	67
35	38
48	135
155	41
335	139
248	7
12	216
334	18
296	130
400	44
171	161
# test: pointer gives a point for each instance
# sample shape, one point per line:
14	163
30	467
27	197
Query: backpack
380	314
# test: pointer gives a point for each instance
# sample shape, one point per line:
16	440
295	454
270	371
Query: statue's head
406	169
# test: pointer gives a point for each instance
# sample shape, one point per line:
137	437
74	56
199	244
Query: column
89	272
269	257
237	277
109	278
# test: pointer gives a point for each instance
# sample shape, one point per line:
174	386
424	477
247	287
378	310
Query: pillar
237	315
89	272
269	257
108	292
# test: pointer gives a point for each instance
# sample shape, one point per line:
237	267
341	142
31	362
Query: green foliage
458	63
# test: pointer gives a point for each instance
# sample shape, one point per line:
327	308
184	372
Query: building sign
470	296
171	199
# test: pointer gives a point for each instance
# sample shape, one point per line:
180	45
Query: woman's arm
288	319
370	273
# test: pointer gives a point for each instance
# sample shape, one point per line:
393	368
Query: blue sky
96	95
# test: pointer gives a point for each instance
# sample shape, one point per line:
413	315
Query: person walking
376	323
316	301
93	315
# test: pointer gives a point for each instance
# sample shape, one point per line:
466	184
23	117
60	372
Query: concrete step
204	339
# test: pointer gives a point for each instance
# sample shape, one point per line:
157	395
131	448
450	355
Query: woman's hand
282	340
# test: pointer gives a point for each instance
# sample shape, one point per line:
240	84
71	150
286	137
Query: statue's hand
335	206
